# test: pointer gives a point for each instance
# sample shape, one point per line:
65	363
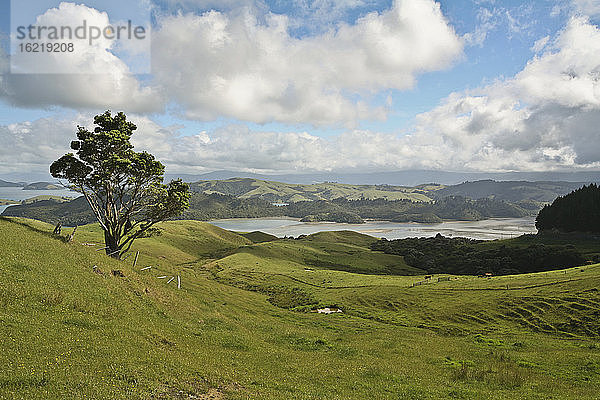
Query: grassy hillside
525	193
53	210
237	328
42	197
259	237
35	199
292	193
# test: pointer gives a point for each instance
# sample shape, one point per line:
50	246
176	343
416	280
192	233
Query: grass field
240	327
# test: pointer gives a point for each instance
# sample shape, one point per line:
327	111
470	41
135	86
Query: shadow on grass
17	221
23	383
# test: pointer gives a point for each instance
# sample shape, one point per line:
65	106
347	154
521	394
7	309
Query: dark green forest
579	211
462	256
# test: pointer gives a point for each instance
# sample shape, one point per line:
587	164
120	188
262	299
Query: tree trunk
58	228
72	234
112	245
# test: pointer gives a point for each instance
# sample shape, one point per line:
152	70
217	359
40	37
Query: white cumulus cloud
587	7
546	116
218	64
90	77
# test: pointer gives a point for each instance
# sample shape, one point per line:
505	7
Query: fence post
72	234
136	257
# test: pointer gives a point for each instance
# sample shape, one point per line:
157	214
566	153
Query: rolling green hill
522	192
259	237
53	210
239	327
252	198
292	193
214	206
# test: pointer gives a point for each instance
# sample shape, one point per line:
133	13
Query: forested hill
529	195
293	193
578	211
215	206
250	198
513	191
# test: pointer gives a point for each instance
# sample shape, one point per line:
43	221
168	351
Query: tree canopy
579	211
123	188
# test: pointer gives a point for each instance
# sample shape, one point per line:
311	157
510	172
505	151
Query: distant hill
531	196
512	191
205	207
10	184
399	178
75	212
252	198
42	186
4	202
202	207
281	192
336	202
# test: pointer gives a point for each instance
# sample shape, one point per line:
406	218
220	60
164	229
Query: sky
307	86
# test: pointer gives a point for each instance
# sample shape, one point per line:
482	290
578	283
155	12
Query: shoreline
490	229
444	221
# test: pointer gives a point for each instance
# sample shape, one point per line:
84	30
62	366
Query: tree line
579	211
462	256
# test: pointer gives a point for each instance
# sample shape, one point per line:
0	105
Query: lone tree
124	188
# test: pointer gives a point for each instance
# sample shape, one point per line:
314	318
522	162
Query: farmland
241	327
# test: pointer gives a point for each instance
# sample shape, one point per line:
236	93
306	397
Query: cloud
244	63
513	21
306	17
587	7
106	80
236	147
546	116
32	145
211	4
317	16
488	20
540	44
232	65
